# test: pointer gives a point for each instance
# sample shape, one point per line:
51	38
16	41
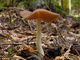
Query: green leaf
10	52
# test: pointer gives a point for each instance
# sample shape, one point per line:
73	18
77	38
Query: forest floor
60	39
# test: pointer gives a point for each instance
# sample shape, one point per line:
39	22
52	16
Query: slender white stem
38	38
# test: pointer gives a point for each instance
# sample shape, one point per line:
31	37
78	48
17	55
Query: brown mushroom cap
40	14
45	15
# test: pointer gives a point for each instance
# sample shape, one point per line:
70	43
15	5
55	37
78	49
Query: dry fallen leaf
5	59
18	57
59	58
73	57
25	47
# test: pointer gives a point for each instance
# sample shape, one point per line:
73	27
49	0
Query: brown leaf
5	59
25	47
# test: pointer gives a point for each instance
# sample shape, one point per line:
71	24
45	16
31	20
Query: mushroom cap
45	15
40	14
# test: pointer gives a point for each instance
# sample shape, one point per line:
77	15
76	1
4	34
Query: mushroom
41	15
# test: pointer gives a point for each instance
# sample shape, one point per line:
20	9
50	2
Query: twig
11	44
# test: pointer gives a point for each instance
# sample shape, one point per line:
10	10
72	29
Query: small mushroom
40	15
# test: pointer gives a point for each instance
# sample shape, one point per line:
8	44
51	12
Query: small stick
11	44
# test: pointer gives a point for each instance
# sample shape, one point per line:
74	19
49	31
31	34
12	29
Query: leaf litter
61	40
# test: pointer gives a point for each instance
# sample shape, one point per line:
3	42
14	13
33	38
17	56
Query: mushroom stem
38	39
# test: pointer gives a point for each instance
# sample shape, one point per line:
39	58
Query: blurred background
64	7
